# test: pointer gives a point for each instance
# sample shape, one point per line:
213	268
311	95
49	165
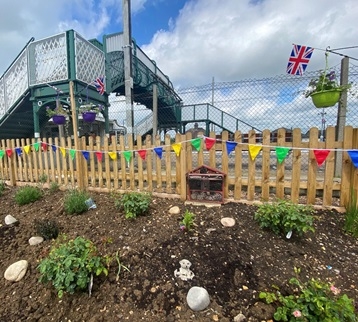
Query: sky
193	41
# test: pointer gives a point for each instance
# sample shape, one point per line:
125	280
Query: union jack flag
299	59
99	83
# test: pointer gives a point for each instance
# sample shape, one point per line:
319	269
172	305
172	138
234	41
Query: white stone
227	221
174	210
9	220
239	318
16	271
35	240
198	298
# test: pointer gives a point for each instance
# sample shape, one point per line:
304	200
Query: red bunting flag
321	156
142	153
9	152
44	146
99	156
209	142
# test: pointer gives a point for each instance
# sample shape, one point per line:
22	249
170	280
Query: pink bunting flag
142	154
321	156
209	143
99	156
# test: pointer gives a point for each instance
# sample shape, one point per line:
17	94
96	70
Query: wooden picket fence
105	164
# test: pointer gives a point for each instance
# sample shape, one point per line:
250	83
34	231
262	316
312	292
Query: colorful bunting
72	153
176	147
44	146
321	156
9	152
113	155
159	152
254	151
142	154
353	154
281	153
27	149
63	151
2	153
85	155
99	156
209	143
37	146
18	151
127	155
54	148
230	146
196	143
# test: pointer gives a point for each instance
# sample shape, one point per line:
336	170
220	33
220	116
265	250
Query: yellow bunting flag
113	155
27	149
254	150
176	147
63	151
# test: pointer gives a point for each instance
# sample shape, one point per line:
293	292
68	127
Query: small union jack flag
299	59
99	83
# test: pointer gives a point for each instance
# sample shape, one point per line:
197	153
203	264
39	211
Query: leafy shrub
47	228
351	216
311	301
187	221
70	265
284	216
27	194
134	204
54	186
2	187
75	201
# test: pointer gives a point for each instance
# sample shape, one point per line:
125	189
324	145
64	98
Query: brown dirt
233	264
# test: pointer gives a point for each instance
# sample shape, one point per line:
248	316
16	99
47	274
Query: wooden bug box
205	184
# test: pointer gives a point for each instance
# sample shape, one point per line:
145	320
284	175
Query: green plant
27	194
187	221
120	266
58	110
75	201
134	204
90	107
351	216
284	217
43	178
47	228
70	265
54	186
313	300
2	187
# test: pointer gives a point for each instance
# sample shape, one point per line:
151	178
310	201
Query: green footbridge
40	76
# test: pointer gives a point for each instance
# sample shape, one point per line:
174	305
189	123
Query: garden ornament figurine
184	271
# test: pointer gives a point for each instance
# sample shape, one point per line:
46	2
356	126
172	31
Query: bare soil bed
233	263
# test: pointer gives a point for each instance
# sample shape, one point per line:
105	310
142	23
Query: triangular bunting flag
209	143
99	156
18	151
353	154
63	151
159	152
254	150
44	146
196	143
9	152
85	155
321	156
2	153
230	146
281	153
142	153
27	149
113	155
127	155
176	147
72	153
37	146
54	148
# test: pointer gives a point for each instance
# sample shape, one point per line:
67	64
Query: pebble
9	220
227	221
16	271
174	210
35	240
198	298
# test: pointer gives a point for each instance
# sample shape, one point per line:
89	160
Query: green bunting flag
72	153
2	153
281	153
37	146
127	155
196	143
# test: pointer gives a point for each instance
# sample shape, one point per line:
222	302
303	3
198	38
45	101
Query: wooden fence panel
329	168
280	172
158	169
251	169
296	166
238	167
225	162
346	167
266	156
168	164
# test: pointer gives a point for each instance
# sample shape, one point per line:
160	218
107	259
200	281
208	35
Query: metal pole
128	72
342	113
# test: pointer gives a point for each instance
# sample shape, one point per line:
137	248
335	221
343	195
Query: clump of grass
2	187
351	216
54	186
27	194
47	228
75	201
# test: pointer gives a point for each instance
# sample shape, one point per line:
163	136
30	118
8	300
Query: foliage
187	221
2	187
54	186
326	80
90	107
58	110
351	216
75	201
70	265
27	194
284	216
311	301
47	228
134	204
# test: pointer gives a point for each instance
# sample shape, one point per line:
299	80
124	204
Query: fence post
346	167
11	164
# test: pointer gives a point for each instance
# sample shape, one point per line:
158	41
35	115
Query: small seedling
187	221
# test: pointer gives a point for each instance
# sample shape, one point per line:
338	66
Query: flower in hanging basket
58	110
90	107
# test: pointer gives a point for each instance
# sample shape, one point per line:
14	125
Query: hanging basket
326	98
89	117
59	119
